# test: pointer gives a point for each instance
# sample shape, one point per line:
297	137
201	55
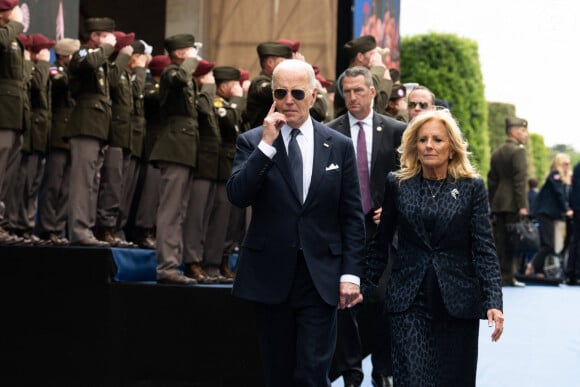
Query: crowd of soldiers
109	145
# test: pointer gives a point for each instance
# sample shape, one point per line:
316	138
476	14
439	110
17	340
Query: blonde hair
459	166
557	164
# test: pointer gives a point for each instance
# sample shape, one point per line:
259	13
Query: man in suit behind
303	250
379	139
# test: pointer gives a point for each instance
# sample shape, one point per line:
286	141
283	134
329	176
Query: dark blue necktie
295	157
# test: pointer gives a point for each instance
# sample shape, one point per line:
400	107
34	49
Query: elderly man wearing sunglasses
302	256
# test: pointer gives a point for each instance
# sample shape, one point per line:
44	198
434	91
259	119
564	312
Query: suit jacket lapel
409	191
322	148
378	137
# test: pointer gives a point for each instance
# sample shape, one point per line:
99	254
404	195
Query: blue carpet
540	345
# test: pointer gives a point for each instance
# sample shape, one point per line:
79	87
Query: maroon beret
203	68
25	40
244	75
6	5
39	42
158	64
123	39
293	44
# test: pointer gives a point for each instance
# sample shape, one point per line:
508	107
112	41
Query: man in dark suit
507	186
379	139
303	250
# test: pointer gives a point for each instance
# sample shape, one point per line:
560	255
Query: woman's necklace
436	192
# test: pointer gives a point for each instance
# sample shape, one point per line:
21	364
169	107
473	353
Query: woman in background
551	209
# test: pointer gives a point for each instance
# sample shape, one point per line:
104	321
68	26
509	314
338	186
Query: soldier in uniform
88	127
229	106
507	186
53	195
136	71
11	102
23	207
363	52
204	181
397	105
148	200
175	153
119	147
260	93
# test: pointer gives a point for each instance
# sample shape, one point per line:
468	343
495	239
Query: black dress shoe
381	381
572	282
176	279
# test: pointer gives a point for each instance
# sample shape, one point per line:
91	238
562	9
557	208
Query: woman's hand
495	316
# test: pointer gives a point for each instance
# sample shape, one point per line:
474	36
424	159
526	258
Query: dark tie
295	157
363	169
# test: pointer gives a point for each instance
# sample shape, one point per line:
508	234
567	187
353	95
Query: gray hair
294	65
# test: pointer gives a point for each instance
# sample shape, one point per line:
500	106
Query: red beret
323	81
39	42
25	40
123	39
203	68
244	75
293	44
158	64
6	5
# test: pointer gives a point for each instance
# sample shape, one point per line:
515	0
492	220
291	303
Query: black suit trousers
297	337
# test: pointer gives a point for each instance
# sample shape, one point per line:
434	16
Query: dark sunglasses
422	105
296	94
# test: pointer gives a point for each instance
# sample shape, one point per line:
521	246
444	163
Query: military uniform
23	206
229	113
88	131
382	86
507	186
11	110
118	152
148	200
53	194
133	164
175	153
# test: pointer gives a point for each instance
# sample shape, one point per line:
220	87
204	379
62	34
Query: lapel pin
454	193
325	145
379	129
